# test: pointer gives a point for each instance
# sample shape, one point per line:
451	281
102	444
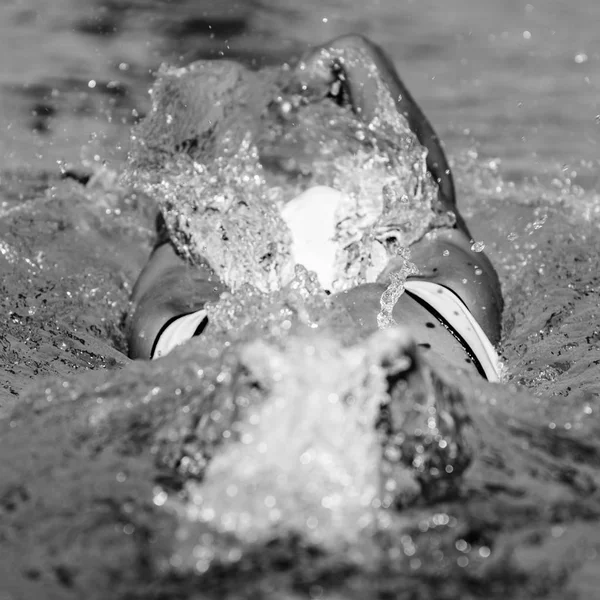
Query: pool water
101	487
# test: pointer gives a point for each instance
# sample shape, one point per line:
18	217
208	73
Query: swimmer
453	307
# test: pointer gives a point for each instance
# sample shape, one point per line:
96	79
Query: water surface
512	90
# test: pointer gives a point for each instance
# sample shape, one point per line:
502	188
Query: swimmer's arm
447	258
355	78
167	287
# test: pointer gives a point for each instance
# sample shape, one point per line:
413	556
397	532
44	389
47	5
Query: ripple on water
257	443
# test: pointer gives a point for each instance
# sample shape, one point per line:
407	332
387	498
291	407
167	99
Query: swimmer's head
314	219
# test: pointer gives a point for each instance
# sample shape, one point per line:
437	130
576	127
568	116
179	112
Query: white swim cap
311	217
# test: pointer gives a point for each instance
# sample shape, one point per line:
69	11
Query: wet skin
168	286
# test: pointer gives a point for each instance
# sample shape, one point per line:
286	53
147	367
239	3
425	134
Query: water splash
219	168
397	278
294	466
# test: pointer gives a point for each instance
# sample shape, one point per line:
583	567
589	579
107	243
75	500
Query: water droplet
580	58
477	246
286	107
415	564
160	497
557	531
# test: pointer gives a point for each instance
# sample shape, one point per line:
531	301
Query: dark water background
511	88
